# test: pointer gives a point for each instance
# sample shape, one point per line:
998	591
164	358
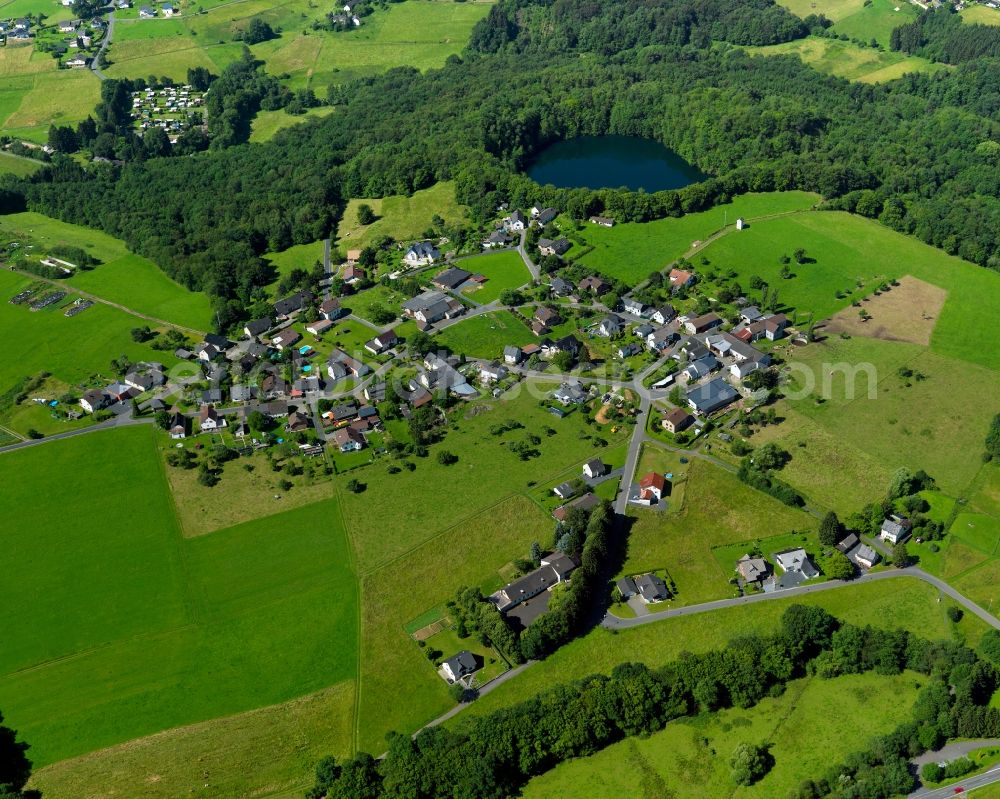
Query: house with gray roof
651	588
458	666
711	396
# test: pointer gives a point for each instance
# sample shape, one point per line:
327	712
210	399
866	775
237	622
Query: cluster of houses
81	36
166	9
649	588
512	225
794	565
432	307
117	397
347	16
170	108
16	29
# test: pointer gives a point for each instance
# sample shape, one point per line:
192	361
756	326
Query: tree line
494	755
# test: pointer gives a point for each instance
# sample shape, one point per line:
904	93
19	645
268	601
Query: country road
104	46
959	788
614	623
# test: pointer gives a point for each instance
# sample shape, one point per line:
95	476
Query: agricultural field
486	335
122	277
630	251
251	616
849	249
849	60
874	412
267	123
981	15
18	165
715	510
76	350
418	33
690	757
403	218
504	270
856	18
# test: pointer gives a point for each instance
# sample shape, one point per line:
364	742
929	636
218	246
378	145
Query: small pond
599	162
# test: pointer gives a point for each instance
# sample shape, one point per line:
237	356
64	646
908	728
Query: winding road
104	46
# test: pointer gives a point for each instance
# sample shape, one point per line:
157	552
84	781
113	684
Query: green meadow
858	19
122	276
299	256
133	629
849	60
268	123
34	93
981	15
403	218
76	350
504	270
486	335
632	250
690	757
17	165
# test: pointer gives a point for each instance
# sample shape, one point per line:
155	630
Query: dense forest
942	36
921	154
492	756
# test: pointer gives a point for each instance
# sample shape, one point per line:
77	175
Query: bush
749	763
955	614
446	458
931	773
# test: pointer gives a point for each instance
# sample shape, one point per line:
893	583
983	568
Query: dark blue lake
609	162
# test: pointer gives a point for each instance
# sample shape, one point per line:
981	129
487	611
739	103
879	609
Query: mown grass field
505	270
35	94
418	33
486	335
847	249
631	251
76	350
849	60
716	510
132	630
884	421
403	218
264	752
299	256
690	757
268	123
981	15
18	166
438	497
857	19
122	276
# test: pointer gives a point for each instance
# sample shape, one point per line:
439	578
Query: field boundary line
360	620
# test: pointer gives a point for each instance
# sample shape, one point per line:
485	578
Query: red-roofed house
652	486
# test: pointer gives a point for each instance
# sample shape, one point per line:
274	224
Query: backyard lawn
486	335
504	270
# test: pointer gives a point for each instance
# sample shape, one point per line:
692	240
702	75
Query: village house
795	562
459	666
586	503
570	344
498	238
352	274
626	588
895	529
319	327
711	396
178	424
209	420
651	588
422	253
643	330
560	287
556	247
347	439
451	279
146	12
603	221
865	557
382	342
554	569
289	305
570	393
94	400
611	326
512	355
564	490
635	307
433	306
700	368
547	316
286	338
774	326
664	314
660	339
680	278
257	327
544	215
702	323
515	222
595	284
676	420
751	313
752	570
628	350
331	309
594	468
652	487
350	366
243	393
492	372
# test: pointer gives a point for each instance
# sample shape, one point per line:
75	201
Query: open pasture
122	277
632	250
133	630
504	270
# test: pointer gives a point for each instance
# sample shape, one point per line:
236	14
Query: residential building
422	253
564	490
702	323
547	316
286	338
664	314
711	396
594	284
652	486
94	400
680	278
209	420
554	569
553	246
796	560
560	287
626	588
512	355
676	420
752	570
289	305
651	588
319	327
331	309
603	221
382	342
492	372
611	326
451	279
585	502
258	327
570	393
895	529
635	307
459	666
347	439
594	468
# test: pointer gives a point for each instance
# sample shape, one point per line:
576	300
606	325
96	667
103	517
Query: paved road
119	421
632	456
959	788
950	752
104	46
523	252
614	623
